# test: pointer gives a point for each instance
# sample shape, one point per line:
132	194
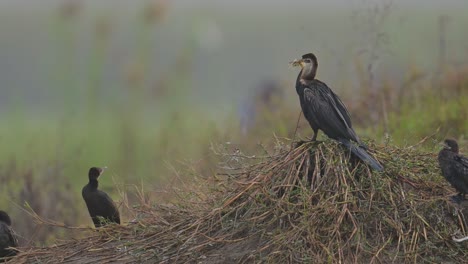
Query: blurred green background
146	86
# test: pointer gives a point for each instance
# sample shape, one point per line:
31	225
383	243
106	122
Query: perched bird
325	111
100	206
454	168
7	238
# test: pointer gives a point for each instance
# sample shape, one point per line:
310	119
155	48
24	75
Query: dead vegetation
305	204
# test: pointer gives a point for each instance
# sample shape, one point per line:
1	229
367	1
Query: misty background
45	55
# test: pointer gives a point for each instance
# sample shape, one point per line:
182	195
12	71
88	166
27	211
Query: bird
454	167
264	98
7	237
325	111
100	206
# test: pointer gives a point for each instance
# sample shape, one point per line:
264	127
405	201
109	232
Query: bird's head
4	217
307	60
95	172
451	144
309	65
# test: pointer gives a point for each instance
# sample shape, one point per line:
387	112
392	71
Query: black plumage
99	204
7	238
324	110
454	168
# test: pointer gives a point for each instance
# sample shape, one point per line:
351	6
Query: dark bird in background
7	238
100	206
454	168
325	111
264	96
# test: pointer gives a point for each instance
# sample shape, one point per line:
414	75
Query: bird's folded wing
333	118
462	160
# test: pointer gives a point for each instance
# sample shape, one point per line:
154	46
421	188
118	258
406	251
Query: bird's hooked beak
444	145
297	62
101	170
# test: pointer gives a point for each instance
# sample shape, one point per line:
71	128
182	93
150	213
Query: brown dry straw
306	204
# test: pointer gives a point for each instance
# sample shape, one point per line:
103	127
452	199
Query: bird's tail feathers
362	154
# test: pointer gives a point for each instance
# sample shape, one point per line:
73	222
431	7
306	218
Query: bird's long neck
93	183
6	220
309	71
302	82
299	86
446	154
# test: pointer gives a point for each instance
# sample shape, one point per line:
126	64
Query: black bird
7	238
325	111
454	168
100	206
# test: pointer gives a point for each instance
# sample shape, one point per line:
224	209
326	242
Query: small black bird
325	111
454	168
7	238
99	204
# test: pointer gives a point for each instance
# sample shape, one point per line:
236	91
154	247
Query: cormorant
325	111
7	238
454	168
99	204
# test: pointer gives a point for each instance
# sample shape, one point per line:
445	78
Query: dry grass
305	204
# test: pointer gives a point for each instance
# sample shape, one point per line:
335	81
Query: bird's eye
307	60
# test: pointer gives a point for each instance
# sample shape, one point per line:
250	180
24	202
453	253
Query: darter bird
7	237
100	206
325	111
454	168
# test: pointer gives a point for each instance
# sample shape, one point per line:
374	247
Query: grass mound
305	204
